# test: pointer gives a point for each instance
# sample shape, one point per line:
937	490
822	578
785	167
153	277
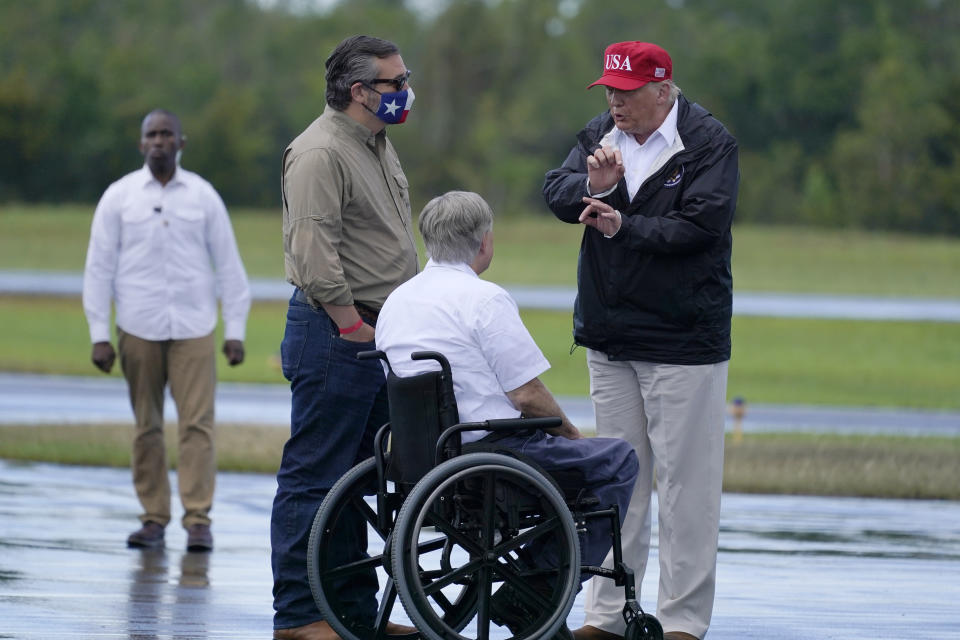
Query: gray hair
672	86
354	60
453	226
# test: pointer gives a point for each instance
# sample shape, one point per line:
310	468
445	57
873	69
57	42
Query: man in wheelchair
495	366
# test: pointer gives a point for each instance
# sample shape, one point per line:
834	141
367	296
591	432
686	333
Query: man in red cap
654	182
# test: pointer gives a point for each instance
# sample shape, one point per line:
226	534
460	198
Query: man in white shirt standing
495	365
161	247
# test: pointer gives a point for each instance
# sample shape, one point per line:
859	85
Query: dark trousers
605	467
338	404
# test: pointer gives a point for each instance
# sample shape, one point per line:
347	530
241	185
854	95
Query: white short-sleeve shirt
475	324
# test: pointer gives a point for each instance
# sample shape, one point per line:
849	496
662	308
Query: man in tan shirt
348	242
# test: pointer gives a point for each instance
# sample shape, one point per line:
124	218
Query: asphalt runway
789	568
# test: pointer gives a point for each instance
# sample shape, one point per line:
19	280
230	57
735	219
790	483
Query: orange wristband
351	328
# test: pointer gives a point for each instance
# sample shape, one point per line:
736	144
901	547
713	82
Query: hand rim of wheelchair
412	585
348	490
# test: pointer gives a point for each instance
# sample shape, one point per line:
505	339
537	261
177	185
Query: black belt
368	314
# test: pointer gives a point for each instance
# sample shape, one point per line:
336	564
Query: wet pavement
790	567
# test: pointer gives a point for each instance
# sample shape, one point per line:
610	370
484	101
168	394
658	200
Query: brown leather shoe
678	635
314	631
589	632
149	536
395	629
199	538
323	631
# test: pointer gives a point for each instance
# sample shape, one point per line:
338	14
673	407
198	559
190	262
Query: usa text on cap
630	65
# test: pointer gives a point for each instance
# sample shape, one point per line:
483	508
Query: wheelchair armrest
508	424
502	424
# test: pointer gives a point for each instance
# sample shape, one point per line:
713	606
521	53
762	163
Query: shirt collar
456	266
667	130
351	127
148	177
669	127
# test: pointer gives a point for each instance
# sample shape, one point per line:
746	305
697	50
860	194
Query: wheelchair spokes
492	509
341	583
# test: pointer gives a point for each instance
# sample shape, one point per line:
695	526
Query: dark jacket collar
695	125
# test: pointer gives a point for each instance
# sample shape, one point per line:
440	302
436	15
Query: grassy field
775	360
539	250
818	464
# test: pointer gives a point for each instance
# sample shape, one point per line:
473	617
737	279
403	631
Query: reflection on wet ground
790	567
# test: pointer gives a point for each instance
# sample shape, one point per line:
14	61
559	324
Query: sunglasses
398	82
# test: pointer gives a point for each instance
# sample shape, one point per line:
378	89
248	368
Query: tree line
846	111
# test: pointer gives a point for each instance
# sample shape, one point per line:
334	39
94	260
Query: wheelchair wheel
496	513
644	627
356	594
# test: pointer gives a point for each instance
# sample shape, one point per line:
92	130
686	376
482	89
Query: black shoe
149	536
199	538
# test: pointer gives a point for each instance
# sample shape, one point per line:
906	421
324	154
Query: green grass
239	447
840	465
50	335
851	262
775	360
540	250
846	362
792	361
813	464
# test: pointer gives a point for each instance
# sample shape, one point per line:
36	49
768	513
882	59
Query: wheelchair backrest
421	407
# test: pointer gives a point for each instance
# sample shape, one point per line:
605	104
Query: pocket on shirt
136	225
188	214
404	188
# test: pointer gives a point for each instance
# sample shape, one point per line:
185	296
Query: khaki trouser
673	415
190	369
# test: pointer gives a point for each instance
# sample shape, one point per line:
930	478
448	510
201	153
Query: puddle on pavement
790	567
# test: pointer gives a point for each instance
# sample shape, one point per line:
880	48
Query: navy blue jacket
660	290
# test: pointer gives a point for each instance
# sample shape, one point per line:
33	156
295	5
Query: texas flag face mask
395	106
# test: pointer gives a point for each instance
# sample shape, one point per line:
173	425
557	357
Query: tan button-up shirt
347	230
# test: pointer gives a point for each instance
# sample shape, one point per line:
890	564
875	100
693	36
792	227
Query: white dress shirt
640	161
475	324
162	253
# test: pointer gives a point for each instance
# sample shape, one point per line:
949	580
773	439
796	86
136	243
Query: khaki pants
673	415
190	369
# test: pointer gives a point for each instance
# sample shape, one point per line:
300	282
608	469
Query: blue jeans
338	404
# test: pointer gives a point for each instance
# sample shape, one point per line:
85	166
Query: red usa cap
630	65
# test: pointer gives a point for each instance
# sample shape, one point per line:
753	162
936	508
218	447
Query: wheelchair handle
433	355
371	355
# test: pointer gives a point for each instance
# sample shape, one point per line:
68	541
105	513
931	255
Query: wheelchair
447	527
